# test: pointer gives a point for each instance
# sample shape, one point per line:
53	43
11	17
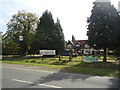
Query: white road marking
36	83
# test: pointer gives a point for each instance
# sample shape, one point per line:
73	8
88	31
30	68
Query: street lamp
94	49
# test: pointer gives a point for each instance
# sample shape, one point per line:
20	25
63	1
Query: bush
31	61
57	63
26	60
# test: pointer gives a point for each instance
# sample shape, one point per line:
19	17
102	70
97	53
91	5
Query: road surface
18	77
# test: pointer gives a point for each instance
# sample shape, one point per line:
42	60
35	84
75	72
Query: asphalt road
27	78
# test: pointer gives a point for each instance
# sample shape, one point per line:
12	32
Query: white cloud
102	0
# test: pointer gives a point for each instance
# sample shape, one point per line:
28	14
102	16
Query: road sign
20	38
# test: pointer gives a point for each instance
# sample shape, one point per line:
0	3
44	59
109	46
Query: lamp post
94	51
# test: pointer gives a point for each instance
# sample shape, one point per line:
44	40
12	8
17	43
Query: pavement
20	76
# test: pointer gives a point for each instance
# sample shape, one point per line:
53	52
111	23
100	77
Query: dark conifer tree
103	26
49	35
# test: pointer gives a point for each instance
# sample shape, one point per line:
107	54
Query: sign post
47	53
70	47
20	41
20	38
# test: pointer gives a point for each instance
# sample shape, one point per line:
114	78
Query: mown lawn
75	66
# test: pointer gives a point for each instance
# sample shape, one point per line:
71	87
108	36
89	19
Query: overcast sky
72	13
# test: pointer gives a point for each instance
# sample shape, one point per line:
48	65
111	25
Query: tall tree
73	38
48	35
9	46
23	23
103	26
60	36
118	46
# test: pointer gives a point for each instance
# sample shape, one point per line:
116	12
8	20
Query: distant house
69	45
80	46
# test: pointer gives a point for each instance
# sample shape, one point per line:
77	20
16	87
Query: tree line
43	33
38	33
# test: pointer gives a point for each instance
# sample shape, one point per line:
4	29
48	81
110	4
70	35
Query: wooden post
59	56
42	58
70	56
105	55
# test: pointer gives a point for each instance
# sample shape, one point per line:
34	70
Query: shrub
31	61
25	60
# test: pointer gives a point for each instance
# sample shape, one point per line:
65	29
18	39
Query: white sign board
47	52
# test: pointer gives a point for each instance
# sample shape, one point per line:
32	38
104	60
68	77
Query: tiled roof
80	42
70	42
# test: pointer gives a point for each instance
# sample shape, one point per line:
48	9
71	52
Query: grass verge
99	68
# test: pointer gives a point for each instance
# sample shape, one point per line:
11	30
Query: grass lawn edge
72	69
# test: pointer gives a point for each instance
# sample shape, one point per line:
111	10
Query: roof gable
81	42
